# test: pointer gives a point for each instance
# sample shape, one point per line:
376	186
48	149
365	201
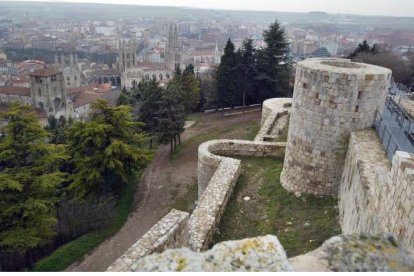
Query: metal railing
388	140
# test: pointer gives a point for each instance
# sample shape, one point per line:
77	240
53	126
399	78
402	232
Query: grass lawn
72	251
301	223
246	131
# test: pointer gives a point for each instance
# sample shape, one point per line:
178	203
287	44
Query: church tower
126	57
172	52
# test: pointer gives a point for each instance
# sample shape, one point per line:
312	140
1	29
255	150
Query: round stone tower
332	97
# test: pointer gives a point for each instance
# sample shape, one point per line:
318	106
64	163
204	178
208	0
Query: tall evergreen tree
170	117
247	72
273	68
226	76
150	104
190	89
105	150
29	181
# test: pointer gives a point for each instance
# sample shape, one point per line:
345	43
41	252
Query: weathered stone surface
161	236
366	253
256	254
332	97
375	196
357	252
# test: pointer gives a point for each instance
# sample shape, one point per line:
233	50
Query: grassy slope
67	254
301	224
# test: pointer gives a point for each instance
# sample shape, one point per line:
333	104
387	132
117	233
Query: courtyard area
260	205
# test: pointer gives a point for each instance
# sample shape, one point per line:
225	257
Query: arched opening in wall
105	80
39	92
113	81
40	105
57	102
100	80
118	81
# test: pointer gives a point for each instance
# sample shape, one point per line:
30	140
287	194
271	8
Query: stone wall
217	174
161	236
346	253
206	216
376	196
210	155
332	97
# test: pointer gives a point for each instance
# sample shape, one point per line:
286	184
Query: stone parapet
376	196
210	155
161	236
255	254
206	216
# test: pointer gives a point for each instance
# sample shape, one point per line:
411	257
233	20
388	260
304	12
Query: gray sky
366	7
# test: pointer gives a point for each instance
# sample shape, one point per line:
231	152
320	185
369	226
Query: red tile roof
15	90
45	72
85	98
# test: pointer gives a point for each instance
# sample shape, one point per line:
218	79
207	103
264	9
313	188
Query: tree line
250	75
402	67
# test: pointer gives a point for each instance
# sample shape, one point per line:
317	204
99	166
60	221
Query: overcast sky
365	7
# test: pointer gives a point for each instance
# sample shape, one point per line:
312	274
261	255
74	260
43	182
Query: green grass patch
245	131
300	223
73	251
284	134
185	202
196	117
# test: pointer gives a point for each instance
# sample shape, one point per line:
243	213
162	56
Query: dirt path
160	184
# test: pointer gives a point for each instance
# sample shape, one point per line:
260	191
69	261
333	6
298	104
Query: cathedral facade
133	72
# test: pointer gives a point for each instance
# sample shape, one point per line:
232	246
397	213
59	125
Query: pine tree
362	48
57	129
29	181
247	72
190	89
170	117
273	67
150	101
105	150
226	77
124	98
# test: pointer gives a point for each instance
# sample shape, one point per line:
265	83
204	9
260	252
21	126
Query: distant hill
83	11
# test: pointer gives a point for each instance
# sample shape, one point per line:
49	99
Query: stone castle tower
47	90
173	55
127	56
331	99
